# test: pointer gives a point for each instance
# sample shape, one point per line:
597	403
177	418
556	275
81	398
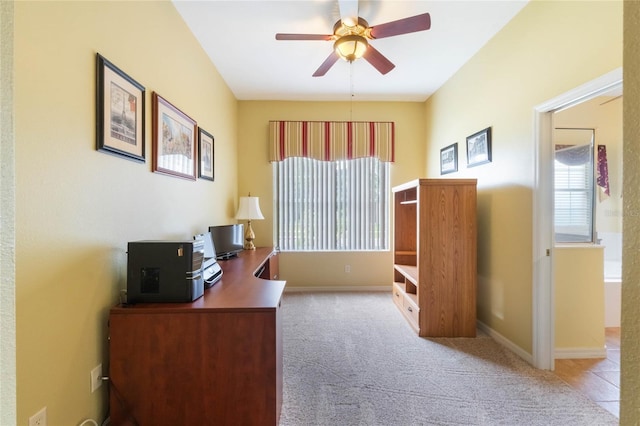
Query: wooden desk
217	360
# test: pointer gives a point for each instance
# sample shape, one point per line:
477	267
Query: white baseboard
506	342
580	353
564	353
289	289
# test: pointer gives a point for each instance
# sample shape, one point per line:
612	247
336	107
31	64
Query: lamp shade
351	47
249	209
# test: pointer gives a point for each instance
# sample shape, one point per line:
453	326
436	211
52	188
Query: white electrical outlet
96	378
39	418
347	268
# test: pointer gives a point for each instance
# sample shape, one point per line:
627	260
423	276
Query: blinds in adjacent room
574	185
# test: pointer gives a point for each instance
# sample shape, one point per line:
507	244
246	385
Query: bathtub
612	242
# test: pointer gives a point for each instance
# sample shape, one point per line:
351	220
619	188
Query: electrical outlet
347	268
96	378
39	418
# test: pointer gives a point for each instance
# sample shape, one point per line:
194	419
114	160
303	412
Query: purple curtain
602	173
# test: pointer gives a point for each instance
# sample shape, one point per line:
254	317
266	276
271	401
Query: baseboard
506	342
289	289
580	353
565	353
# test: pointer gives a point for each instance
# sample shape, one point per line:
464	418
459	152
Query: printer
211	270
165	271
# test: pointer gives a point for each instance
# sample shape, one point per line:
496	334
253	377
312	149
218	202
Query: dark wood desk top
238	289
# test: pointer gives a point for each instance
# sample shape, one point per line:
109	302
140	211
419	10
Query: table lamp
249	210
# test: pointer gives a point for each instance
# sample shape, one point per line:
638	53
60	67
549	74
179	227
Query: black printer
165	271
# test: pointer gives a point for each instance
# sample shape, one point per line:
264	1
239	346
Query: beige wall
77	208
630	345
7	221
325	269
547	49
579	301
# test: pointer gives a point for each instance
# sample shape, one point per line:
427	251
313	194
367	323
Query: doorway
543	212
597	219
588	230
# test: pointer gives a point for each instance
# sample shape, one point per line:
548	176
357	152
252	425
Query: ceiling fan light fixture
351	47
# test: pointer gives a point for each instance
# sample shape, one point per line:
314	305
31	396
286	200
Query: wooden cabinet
216	360
435	256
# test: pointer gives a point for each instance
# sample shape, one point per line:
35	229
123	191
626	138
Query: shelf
405	252
414	299
436	301
401	286
410	272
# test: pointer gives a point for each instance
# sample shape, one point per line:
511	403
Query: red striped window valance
331	140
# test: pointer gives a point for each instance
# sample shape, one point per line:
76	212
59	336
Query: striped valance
331	140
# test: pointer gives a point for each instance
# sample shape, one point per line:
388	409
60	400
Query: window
574	189
332	205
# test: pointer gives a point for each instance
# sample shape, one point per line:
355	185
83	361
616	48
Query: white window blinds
332	205
574	193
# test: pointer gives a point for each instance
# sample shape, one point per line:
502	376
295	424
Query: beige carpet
351	359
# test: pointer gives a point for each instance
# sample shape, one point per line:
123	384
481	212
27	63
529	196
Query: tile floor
598	379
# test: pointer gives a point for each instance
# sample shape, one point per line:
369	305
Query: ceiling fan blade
348	12
378	60
281	36
326	65
402	26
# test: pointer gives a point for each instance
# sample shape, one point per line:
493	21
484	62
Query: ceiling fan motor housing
351	41
341	29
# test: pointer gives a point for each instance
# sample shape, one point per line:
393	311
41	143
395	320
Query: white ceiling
239	37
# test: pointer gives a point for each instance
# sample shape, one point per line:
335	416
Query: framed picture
479	148
174	140
205	154
119	112
449	159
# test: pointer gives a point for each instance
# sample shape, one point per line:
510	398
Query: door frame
543	355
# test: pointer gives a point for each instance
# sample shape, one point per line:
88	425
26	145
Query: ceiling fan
351	35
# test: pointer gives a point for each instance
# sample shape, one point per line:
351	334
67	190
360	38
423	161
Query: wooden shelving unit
435	256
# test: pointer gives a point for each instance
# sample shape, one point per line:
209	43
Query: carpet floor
351	359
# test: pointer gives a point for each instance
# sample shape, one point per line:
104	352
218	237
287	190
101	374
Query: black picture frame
479	148
205	155
449	159
120	112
